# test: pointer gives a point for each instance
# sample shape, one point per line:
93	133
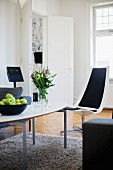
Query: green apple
23	101
12	103
1	103
18	101
6	101
10	96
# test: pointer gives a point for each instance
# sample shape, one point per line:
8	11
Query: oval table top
33	111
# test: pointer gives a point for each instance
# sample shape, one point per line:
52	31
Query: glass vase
42	98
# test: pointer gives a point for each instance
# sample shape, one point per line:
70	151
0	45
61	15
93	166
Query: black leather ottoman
98	144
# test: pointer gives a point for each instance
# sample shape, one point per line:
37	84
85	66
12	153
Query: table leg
24	147
29	125
33	130
65	129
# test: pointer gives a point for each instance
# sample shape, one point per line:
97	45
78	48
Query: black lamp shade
38	57
14	74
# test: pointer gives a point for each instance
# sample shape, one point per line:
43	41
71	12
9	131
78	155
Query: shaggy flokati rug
47	154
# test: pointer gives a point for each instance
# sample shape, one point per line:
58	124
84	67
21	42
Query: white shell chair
93	96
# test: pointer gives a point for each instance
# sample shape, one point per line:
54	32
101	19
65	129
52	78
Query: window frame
93	31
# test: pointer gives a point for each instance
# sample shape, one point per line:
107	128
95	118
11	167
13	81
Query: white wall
9	38
39	6
80	11
53	7
46	7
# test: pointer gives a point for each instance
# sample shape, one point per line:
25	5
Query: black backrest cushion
16	92
95	89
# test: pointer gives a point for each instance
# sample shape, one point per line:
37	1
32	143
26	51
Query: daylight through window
103	36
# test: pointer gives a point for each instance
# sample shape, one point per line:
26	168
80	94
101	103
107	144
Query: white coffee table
32	112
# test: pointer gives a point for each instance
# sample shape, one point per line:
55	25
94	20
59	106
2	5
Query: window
103	36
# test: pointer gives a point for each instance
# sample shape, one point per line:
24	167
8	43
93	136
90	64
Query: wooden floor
53	124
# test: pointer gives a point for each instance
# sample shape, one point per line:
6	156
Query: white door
60	58
26	45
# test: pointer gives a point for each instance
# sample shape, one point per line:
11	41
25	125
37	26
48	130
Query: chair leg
75	129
